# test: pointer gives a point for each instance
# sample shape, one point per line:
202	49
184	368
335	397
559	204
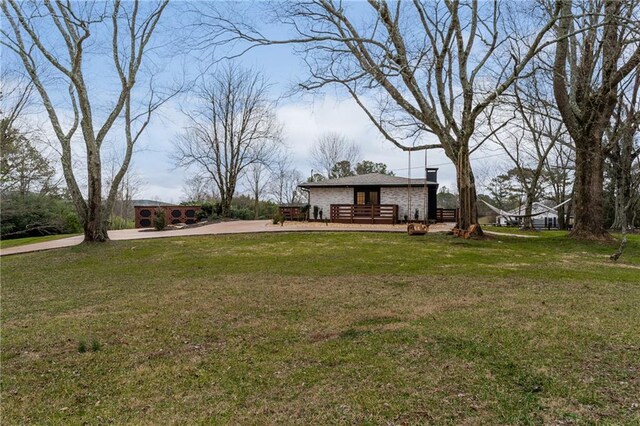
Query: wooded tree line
554	82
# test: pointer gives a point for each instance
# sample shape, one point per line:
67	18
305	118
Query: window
366	195
373	197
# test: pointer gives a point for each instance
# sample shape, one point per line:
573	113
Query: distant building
543	217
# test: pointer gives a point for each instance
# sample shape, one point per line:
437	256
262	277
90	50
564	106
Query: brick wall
172	214
399	196
324	197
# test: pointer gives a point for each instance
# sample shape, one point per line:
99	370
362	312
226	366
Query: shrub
304	212
159	221
72	224
416	215
95	345
35	215
241	213
277	218
210	210
118	222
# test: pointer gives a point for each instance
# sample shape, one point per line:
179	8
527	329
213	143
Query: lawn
514	230
314	328
32	240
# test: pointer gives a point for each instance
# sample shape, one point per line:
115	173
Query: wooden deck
367	213
292	212
446	215
380	214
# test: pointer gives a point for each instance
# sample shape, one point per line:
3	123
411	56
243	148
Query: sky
304	117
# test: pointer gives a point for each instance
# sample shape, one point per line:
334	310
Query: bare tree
23	167
16	94
199	187
52	39
258	180
597	49
232	125
558	169
127	191
436	67
284	181
530	136
624	156
331	148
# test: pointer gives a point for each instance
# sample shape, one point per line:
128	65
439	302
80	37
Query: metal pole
408	214
426	190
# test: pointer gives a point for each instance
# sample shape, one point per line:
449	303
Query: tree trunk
562	223
225	206
95	225
620	213
256	206
588	190
468	215
622	164
95	231
527	220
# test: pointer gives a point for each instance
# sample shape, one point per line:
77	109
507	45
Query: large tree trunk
95	224
527	220
620	213
622	164
225	205
562	223
467	193
588	190
95	230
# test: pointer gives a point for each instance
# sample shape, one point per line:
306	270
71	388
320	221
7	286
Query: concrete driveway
231	227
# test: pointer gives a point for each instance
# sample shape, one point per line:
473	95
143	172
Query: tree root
474	231
623	244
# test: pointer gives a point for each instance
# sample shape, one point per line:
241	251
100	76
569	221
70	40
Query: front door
366	196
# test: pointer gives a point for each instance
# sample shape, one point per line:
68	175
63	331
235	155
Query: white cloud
304	122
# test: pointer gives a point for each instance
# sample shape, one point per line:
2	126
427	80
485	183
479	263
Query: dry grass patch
226	329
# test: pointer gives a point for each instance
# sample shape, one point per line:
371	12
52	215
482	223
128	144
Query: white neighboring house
374	198
544	218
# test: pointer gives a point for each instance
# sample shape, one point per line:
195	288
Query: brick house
374	198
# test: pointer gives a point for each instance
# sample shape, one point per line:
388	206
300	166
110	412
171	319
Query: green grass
517	231
323	328
32	240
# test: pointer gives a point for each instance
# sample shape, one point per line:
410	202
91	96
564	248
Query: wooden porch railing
292	212
366	213
446	215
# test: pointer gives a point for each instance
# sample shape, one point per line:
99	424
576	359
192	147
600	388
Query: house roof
371	179
140	203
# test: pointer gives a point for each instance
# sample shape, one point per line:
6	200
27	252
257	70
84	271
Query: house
542	217
374	198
